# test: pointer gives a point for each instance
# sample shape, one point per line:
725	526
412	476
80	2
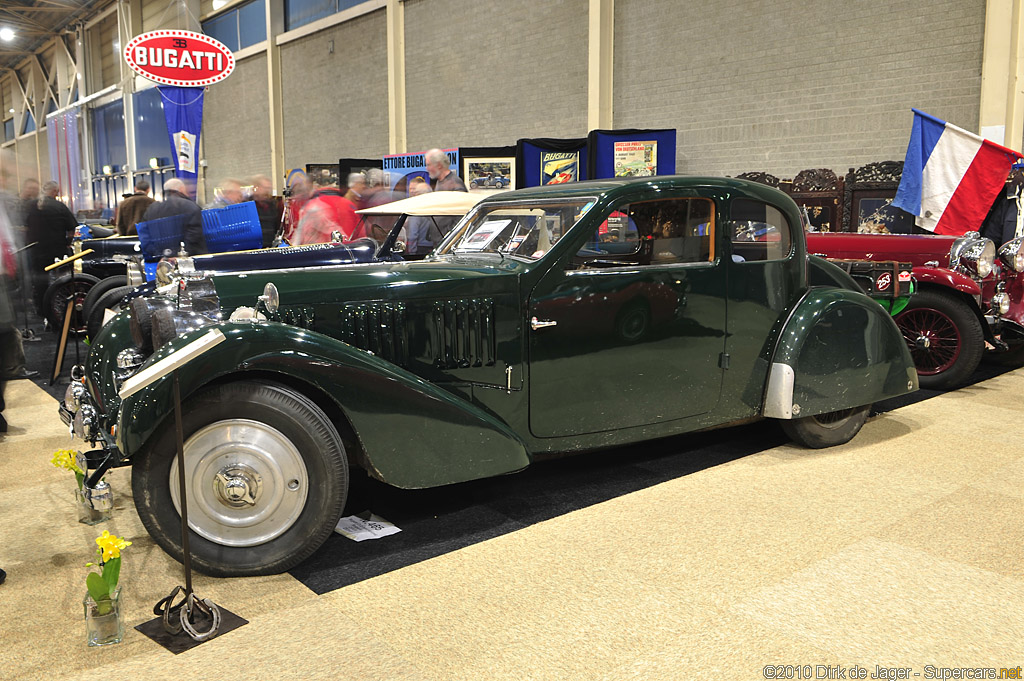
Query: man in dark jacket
50	226
133	208
177	202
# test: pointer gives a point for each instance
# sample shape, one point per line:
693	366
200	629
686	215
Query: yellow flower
65	458
111	545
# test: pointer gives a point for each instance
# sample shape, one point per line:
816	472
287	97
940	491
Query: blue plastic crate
232	228
160	236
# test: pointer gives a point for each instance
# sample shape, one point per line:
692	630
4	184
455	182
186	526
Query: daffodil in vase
95	504
104	620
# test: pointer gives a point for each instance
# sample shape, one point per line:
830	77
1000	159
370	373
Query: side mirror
399	247
336	236
271	299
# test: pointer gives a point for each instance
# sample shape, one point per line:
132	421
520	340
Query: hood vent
464	330
378	327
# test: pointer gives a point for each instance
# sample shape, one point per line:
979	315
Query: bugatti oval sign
182	58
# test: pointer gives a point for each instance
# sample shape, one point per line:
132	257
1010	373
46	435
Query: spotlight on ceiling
6	34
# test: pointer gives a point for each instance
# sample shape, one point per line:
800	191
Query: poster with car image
559	167
489	173
636	159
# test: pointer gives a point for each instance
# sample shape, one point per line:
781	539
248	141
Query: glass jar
95	504
104	623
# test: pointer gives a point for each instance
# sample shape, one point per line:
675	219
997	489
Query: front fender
940	276
413	433
839	349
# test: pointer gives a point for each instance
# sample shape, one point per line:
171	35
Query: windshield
526	230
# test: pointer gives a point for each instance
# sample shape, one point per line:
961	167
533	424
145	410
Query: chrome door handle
541	323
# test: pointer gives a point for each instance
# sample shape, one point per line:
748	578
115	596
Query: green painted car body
472	363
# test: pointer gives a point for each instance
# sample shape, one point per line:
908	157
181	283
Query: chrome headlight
199	295
73	397
85	423
972	254
1000	303
1012	254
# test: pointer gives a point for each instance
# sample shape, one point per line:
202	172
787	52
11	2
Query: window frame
787	226
631	261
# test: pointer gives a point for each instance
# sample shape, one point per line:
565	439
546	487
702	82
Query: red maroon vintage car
967	296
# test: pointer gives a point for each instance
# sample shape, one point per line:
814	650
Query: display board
546	160
631	153
399	169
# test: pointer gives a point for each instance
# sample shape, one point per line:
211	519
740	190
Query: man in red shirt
328	211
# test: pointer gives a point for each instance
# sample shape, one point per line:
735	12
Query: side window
654	233
758	231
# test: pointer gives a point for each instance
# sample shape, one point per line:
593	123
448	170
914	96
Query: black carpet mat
436	521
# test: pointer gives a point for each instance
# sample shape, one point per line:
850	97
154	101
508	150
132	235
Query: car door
630	332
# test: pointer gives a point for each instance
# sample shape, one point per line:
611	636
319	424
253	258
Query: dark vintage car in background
384	223
470	363
968	295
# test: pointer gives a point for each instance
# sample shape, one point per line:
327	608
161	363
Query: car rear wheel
265	474
55	301
826	430
944	336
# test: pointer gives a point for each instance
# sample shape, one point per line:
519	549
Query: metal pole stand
200	618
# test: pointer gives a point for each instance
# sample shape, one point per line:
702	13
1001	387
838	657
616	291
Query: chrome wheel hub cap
246	482
923	342
237	485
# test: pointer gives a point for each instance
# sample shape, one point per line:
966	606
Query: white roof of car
431	203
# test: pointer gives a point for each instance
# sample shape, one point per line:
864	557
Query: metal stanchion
182	616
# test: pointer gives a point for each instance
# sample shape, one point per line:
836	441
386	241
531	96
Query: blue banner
183	111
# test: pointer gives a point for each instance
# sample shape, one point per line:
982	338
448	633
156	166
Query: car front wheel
265	474
826	430
944	336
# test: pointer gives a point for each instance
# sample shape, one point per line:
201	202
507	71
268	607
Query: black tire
826	430
473	184
56	296
302	442
111	299
633	321
99	289
944	336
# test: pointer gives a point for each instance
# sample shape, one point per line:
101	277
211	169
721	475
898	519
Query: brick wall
336	104
488	73
779	87
236	124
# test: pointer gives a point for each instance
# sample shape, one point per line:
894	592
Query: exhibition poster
558	167
636	159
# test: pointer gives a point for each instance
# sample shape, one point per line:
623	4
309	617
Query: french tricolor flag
951	177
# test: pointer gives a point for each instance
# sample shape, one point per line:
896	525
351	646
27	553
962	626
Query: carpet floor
708	556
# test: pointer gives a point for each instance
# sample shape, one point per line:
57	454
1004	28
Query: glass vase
95	504
104	623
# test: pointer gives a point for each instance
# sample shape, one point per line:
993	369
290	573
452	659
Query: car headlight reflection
1012	254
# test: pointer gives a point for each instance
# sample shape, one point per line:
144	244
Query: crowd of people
36	228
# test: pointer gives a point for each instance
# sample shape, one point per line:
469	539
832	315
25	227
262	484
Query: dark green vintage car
550	320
